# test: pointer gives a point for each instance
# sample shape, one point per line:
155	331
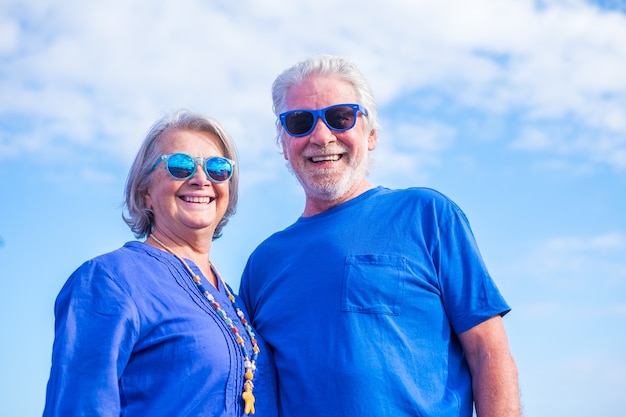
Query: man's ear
285	154
372	140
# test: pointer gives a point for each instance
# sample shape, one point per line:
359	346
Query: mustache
334	149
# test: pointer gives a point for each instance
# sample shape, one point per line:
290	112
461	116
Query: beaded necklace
249	362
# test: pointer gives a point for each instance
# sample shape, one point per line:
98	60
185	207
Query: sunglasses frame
198	160
321	114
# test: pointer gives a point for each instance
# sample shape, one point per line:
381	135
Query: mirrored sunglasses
338	118
181	166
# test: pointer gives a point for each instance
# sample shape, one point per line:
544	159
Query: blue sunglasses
181	166
338	118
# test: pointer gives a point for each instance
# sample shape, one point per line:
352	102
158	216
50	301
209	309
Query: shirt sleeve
469	293
243	292
96	326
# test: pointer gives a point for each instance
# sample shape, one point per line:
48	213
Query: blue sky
515	109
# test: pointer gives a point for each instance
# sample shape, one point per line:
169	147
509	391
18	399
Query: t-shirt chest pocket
373	284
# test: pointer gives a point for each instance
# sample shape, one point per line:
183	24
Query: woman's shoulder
115	264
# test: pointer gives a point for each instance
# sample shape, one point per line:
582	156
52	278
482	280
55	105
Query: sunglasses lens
299	122
219	169
340	117
181	166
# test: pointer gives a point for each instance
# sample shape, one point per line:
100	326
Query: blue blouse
135	337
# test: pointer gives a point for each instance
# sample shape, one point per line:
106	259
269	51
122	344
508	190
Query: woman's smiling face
191	206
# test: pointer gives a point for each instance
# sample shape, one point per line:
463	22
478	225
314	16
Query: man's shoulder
413	193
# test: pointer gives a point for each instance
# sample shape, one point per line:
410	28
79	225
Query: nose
199	177
321	134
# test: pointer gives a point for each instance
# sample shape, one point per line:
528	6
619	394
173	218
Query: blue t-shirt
135	337
362	305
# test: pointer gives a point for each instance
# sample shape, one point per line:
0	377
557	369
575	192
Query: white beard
325	186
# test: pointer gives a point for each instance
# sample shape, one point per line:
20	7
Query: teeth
202	200
325	158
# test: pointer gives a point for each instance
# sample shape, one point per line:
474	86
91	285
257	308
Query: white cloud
613	241
406	152
594	265
618	310
106	70
8	34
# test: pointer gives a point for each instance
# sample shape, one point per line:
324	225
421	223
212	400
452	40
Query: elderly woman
151	329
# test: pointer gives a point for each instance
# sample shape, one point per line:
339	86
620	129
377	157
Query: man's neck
316	205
